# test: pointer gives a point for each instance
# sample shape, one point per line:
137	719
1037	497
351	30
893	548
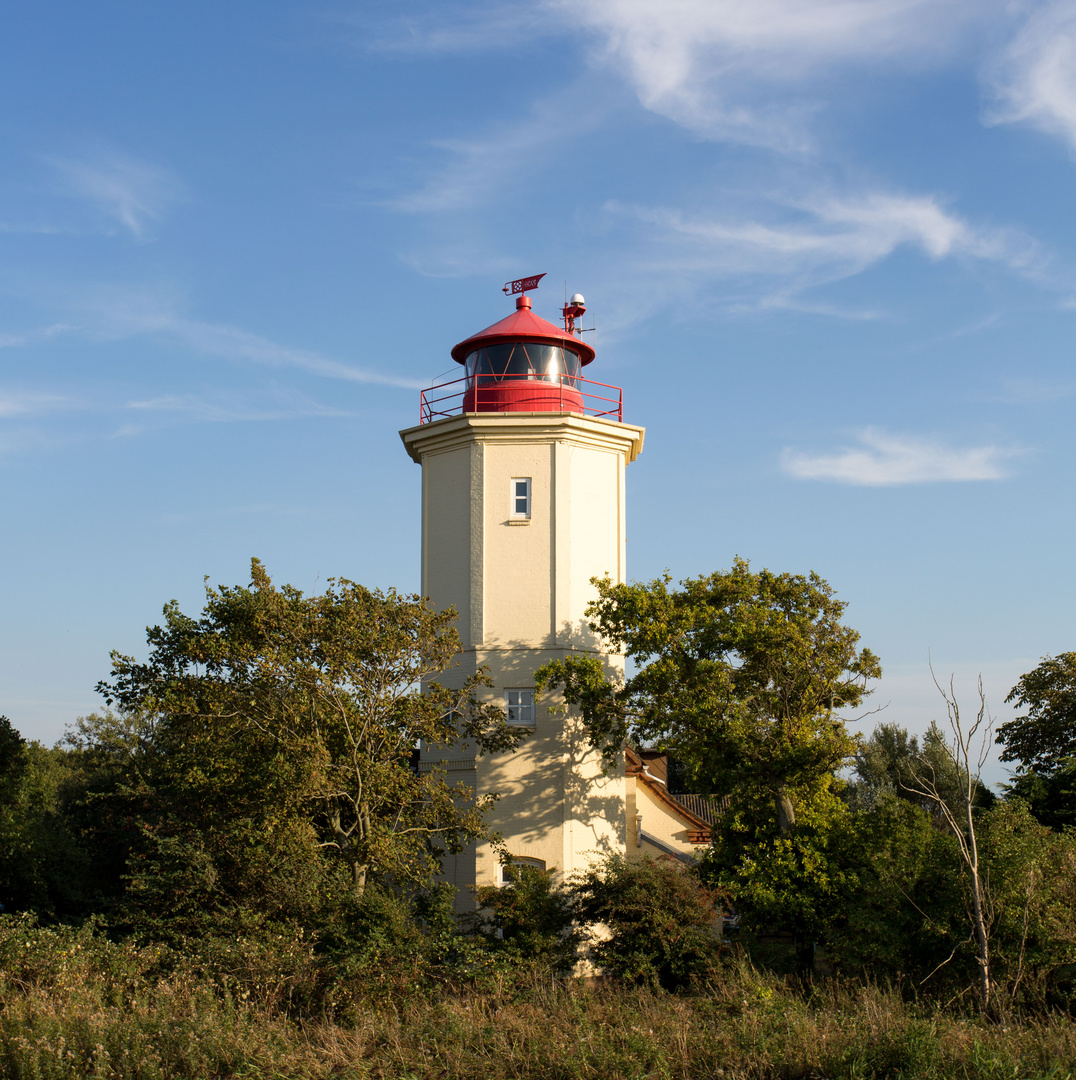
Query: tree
1043	738
741	676
900	909
1051	797
316	704
882	766
43	866
888	761
966	754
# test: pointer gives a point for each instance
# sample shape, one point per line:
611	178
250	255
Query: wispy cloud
32	337
21	404
1032	391
27	227
828	237
133	192
477	168
887	460
232	408
453	28
723	68
1035	79
124	313
232	343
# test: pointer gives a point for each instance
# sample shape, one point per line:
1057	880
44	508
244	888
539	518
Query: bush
663	925
529	918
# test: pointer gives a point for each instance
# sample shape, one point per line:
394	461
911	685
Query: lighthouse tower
523	465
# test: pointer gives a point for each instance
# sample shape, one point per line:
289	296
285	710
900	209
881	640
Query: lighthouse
523	466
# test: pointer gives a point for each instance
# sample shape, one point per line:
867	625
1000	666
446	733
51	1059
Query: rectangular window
519	707
521	497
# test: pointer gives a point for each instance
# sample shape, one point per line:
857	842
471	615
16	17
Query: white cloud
1035	391
133	192
1035	80
453	28
232	408
828	237
722	68
735	70
119	314
234	344
41	230
888	460
477	168
19	404
31	337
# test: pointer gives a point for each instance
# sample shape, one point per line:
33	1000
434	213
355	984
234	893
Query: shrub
529	918
662	926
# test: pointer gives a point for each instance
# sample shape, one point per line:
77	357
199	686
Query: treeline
247	808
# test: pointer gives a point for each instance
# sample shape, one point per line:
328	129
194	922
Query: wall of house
661	822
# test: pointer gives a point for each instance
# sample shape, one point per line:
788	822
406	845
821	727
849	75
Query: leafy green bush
529	918
653	922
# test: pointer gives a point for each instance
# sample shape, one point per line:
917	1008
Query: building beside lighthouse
523	503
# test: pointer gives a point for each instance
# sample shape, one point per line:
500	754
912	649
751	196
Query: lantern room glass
522	361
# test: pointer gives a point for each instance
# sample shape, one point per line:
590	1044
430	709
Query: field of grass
73	1005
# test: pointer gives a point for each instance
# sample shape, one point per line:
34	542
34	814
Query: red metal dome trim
523	325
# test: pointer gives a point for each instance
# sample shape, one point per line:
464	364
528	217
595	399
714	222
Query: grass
73	1005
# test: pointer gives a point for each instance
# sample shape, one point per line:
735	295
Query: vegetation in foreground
73	1005
235	873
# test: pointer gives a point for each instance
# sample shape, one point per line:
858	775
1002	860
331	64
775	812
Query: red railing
573	394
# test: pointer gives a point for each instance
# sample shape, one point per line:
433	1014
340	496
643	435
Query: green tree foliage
903	913
529	917
782	883
1045	736
900	910
662	926
1051	798
741	676
14	763
281	729
43	864
889	760
1031	901
205	838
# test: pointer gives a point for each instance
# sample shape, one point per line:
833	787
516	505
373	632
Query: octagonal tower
523	464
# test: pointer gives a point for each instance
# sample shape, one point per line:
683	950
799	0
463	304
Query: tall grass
74	1005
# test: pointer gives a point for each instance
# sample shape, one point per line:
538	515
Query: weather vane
522	285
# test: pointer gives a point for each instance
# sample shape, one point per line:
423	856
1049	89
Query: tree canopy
890	761
303	712
1042	739
741	675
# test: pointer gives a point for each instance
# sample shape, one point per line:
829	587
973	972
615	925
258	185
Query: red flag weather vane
522	285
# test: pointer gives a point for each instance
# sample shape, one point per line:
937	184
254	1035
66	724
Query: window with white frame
521	497
510	871
519	707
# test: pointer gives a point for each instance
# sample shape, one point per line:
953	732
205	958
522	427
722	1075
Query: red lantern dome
523	364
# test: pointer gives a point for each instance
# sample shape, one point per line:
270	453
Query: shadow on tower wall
555	801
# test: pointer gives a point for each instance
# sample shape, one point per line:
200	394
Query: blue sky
828	246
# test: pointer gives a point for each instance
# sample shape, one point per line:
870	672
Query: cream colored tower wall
519	567
522	588
445	575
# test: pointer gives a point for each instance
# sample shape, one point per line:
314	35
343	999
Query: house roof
699	812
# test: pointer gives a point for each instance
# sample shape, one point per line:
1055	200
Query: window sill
518	521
